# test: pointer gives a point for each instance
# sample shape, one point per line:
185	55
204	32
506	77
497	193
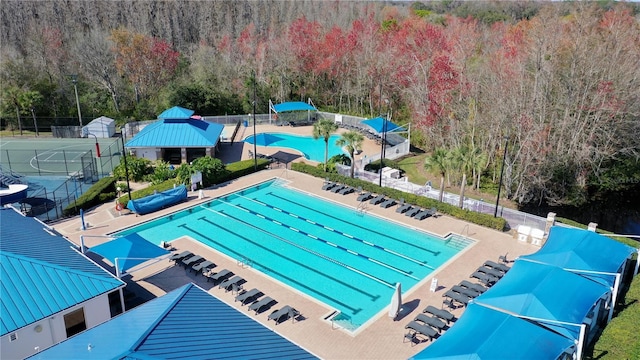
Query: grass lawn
620	339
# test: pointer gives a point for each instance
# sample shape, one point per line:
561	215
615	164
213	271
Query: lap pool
346	259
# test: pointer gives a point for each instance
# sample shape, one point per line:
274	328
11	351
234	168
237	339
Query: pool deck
382	338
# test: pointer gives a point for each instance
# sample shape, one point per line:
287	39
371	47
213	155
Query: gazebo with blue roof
178	137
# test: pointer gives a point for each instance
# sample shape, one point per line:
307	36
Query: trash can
246	123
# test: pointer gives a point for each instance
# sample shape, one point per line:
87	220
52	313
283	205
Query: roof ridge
47	264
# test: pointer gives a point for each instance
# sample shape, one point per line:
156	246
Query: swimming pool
312	149
345	259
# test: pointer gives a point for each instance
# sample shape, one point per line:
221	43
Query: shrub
103	190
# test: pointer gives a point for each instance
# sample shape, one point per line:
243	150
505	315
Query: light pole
504	158
255	140
382	148
126	168
74	80
35	123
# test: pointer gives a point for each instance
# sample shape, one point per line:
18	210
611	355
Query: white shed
102	127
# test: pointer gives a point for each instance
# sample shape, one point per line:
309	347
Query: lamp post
74	80
126	168
504	158
255	140
35	123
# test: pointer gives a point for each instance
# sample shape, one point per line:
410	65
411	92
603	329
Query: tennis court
59	157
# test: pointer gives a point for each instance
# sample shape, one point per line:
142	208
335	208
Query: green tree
352	140
323	128
212	169
437	162
463	159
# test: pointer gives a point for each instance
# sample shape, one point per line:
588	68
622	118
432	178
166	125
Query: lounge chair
346	190
388	203
227	284
417	328
249	296
503	258
490	271
203	266
287	311
431	321
442	314
412	212
191	261
365	196
422	214
403	207
457	297
178	257
377	200
465	291
261	305
477	287
337	188
485	279
500	267
219	276
328	185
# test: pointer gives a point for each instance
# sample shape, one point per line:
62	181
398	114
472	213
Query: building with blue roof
49	290
178	137
187	323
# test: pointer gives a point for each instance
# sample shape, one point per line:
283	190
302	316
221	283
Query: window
74	322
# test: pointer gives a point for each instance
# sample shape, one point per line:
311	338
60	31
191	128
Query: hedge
233	171
487	220
98	193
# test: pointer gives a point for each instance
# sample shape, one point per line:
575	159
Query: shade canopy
176	112
545	292
293	106
381	125
483	333
578	249
131	250
263	139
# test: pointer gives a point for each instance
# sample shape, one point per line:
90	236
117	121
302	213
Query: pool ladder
362	208
245	262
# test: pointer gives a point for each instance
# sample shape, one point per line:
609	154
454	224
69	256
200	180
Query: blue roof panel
544	292
581	250
36	283
176	112
293	106
186	323
178	133
483	333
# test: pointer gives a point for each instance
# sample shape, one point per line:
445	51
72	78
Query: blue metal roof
185	323
293	106
41	273
483	333
176	112
178	133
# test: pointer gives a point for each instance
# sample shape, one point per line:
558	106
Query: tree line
550	91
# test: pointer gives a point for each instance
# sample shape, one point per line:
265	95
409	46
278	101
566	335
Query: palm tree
463	159
323	128
437	162
352	140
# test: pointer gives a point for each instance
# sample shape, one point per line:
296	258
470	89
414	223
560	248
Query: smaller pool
312	149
